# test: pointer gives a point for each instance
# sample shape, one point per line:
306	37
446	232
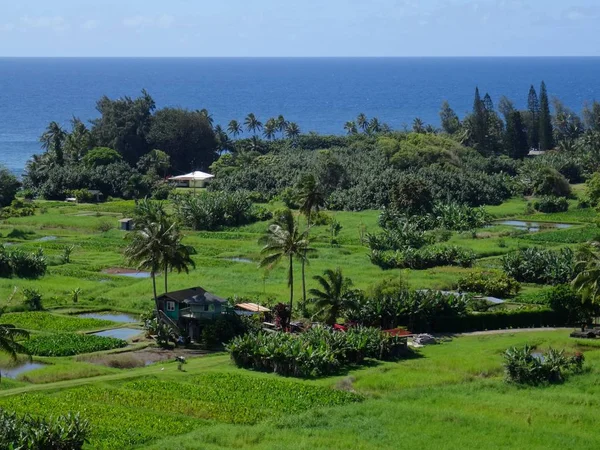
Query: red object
398	332
337	327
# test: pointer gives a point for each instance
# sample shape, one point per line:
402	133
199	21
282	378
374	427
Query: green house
191	308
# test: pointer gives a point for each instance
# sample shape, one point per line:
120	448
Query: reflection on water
14	371
114	317
120	333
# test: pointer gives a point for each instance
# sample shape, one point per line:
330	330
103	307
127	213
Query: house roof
252	307
193	176
193	296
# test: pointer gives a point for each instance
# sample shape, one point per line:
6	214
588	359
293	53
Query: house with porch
191	309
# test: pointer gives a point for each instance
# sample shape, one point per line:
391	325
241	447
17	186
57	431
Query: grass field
453	396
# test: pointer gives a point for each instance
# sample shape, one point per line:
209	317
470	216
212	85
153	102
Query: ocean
320	94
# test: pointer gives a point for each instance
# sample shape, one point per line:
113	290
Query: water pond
240	260
120	333
47	239
112	316
533	226
13	372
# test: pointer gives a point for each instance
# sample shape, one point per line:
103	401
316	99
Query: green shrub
54	323
317	352
522	366
32	299
548	181
82	195
568	303
26	432
16	262
549	204
536	265
593	188
489	283
68	344
425	258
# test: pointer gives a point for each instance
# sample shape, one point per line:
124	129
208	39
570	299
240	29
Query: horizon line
291	57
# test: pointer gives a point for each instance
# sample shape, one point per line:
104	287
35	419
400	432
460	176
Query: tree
9	336
587	282
252	123
209	118
101	156
285	241
362	122
223	142
488	104
515	137
177	256
335	296
78	141
545	121
533	129
412	196
567	125
374	126
506	107
52	141
186	136
418	126
449	119
478	123
292	131
270	129
9	185
281	124
350	127
124	126
234	128
156	162
591	116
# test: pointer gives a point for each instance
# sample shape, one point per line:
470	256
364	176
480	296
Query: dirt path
514	330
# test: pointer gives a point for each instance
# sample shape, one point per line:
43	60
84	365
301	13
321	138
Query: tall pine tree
546	137
533	129
479	123
515	138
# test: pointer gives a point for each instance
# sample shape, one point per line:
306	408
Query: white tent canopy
193	176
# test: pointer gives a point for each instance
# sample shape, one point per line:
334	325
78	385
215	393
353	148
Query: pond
127	273
47	239
240	260
112	316
533	226
120	333
14	371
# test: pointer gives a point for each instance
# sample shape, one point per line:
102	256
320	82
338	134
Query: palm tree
281	124
362	122
178	256
270	129
374	126
8	341
234	128
350	127
292	131
52	141
335	296
285	241
207	116
418	126
587	282
252	123
222	138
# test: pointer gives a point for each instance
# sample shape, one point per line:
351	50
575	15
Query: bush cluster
317	352
16	262
523	366
550	204
213	210
68	344
68	432
537	265
424	258
489	283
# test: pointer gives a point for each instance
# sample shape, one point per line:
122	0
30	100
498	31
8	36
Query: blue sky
299	28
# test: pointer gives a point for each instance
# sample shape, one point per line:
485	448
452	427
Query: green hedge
498	321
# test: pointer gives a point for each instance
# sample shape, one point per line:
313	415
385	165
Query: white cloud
139	22
56	23
89	24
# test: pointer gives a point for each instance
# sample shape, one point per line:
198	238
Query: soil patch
141	358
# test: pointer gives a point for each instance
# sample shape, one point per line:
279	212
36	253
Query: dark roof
195	295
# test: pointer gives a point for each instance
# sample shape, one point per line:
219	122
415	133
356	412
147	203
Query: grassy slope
452	397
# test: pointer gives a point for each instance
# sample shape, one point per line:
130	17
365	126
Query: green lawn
453	396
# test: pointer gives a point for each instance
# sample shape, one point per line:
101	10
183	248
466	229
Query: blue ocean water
319	94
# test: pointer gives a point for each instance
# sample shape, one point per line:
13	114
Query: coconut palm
234	128
292	131
9	334
587	282
284	241
362	122
350	127
207	116
336	295
374	126
281	124
223	142
52	140
270	128
418	126
252	123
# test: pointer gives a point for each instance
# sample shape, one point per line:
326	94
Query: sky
296	28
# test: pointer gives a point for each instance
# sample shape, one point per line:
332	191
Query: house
190	309
194	180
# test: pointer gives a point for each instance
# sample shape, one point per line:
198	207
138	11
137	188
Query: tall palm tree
418	126
52	140
284	241
204	112
587	282
374	126
335	296
270	128
362	122
292	131
281	124
350	127
177	256
222	138
234	128
252	123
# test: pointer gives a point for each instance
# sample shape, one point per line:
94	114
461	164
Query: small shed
98	196
195	179
250	309
126	224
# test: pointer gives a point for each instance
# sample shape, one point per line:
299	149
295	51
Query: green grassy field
452	396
